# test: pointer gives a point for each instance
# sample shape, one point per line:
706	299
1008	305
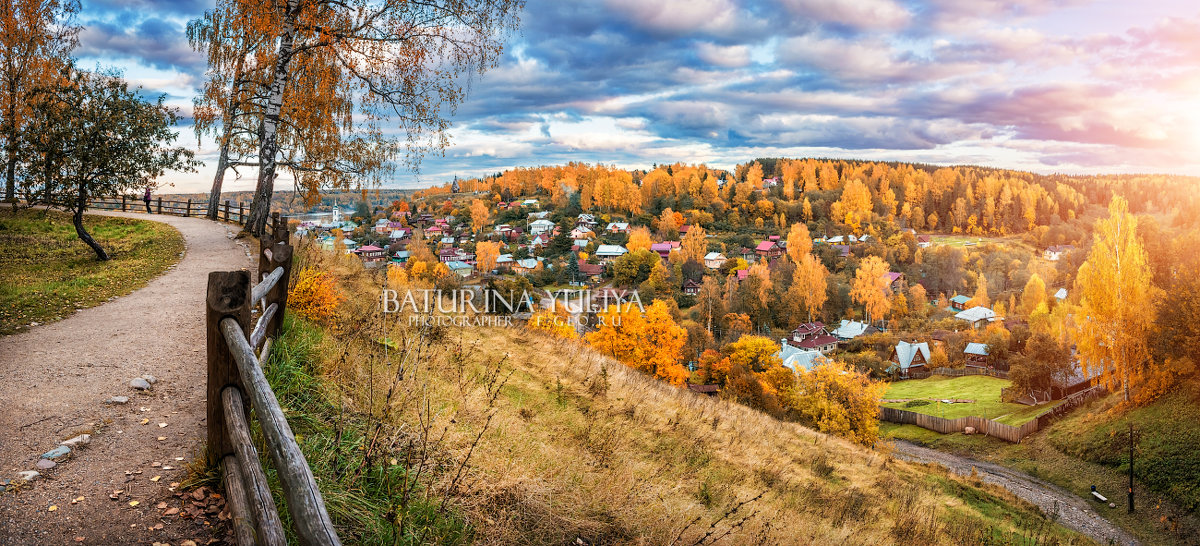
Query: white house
976	316
714	260
538	227
610	252
850	329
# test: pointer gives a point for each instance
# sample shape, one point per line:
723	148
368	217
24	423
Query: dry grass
543	441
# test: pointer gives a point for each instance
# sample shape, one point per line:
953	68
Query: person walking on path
146	198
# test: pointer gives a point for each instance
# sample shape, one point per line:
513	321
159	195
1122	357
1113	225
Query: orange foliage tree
315	296
837	399
649	343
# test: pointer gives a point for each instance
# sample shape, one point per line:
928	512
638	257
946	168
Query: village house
812	336
539	227
908	358
399	234
1061	295
538	215
976	355
748	254
504	262
976	316
461	268
586	221
924	241
691	287
842	250
607	253
850	329
381	226
581	232
895	281
371	254
768	249
714	260
590	272
539	242
665	248
798	359
400	257
526	266
1056	252
617	227
959	303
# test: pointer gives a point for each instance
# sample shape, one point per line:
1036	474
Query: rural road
57	382
1072	511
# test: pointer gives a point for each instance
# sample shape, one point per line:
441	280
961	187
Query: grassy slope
1088	448
49	273
579	446
985	390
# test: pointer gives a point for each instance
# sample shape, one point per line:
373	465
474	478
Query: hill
502	435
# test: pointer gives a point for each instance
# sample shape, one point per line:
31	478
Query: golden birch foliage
639	239
315	296
980	299
649	343
555	322
809	281
854	207
870	288
799	242
1033	294
1118	302
480	214
695	244
486	254
837	399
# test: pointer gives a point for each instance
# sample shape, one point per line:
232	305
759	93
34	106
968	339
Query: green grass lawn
983	389
48	272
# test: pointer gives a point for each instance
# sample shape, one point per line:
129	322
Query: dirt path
1071	511
56	381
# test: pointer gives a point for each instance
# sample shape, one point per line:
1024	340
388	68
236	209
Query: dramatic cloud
1050	85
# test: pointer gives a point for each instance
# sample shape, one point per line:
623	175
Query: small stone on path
139	384
28	475
118	400
150	379
60	451
45	464
82	439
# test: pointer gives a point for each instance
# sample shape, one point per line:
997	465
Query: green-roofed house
959	302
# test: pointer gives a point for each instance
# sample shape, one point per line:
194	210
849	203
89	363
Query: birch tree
1117	301
386	60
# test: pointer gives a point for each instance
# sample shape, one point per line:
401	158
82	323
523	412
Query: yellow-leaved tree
1117	303
480	213
854	207
799	242
556	322
871	288
1033	295
649	343
486	254
837	399
314	296
809	282
639	239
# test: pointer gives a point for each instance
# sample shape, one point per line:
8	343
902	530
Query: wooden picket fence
236	213
234	375
985	426
956	372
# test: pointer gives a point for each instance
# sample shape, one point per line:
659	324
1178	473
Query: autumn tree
392	61
480	214
871	288
799	242
649	343
1044	360
980	299
36	37
486	254
809	285
315	296
838	399
555	321
1033	295
919	299
95	137
854	207
694	245
639	239
1118	302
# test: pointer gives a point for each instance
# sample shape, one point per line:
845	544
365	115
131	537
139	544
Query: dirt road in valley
1071	511
56	381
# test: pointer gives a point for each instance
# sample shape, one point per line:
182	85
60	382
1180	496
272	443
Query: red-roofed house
768	249
812	336
691	287
665	248
591	272
895	281
371	253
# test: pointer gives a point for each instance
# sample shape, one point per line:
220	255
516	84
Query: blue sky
1045	85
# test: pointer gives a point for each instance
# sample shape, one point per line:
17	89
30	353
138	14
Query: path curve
1072	511
55	380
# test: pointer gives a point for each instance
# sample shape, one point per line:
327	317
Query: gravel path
1072	511
56	381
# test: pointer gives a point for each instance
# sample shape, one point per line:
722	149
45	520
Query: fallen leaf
145	421
188	543
76	500
78	539
171	512
134	503
161	438
157	527
198	494
116	494
156	478
161	505
52	508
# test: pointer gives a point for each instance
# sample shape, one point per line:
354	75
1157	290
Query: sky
1072	86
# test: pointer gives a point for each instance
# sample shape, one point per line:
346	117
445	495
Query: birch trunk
214	196
269	144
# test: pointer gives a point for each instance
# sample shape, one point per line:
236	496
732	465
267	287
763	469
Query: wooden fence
988	427
227	211
956	372
235	374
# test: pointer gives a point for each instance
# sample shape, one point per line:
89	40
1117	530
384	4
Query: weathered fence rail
956	372
236	213
985	426
234	375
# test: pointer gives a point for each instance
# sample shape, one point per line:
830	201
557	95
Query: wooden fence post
123	209
241	214
188	211
160	204
228	296
281	256
226	210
